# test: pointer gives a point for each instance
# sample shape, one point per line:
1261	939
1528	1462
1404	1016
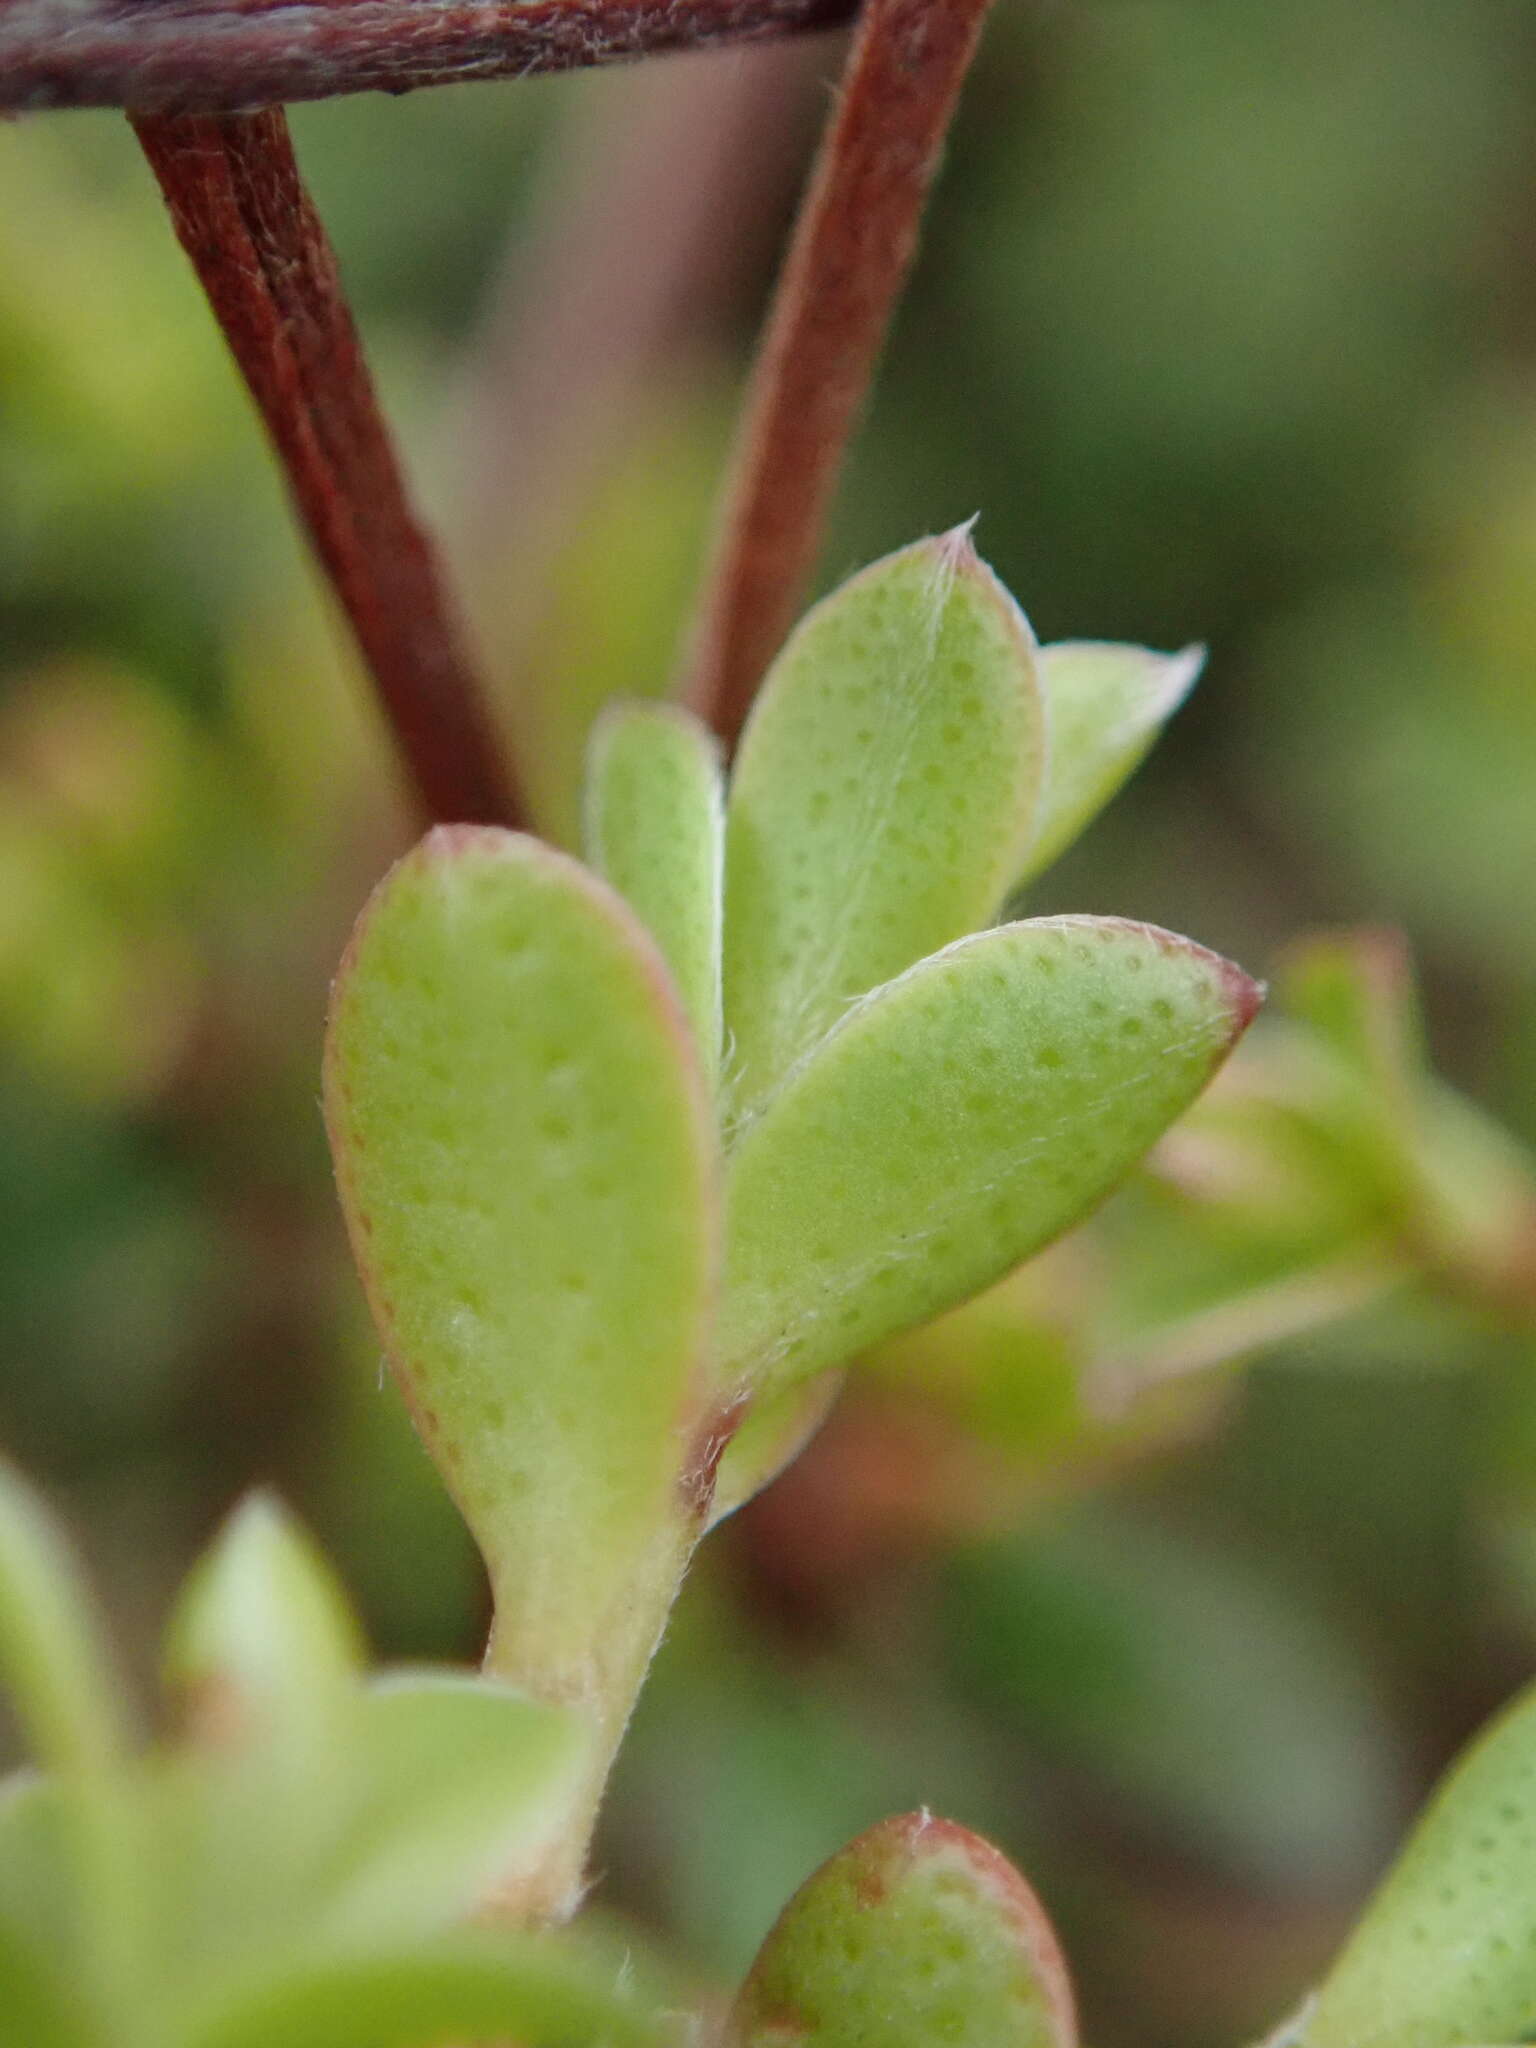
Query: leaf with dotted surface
917	1933
1106	703
655	831
526	1161
954	1122
882	798
1446	1952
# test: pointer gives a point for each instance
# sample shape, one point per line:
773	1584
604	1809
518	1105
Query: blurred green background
1226	325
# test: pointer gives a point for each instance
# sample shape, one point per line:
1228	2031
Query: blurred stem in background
614	319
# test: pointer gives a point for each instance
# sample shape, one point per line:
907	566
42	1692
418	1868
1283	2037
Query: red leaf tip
1244	994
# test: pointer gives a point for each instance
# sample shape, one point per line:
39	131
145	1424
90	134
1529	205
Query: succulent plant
635	1156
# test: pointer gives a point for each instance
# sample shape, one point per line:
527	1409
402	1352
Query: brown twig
261	253
227	56
850	256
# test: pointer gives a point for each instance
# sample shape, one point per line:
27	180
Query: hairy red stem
225	56
261	253
849	258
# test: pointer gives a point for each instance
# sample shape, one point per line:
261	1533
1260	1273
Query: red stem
224	56
852	249
263	258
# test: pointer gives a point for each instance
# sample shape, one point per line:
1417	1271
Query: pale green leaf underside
1106	704
435	1786
655	828
916	1933
881	800
263	1641
953	1123
463	1987
1446	1953
463	1777
263	1661
525	1158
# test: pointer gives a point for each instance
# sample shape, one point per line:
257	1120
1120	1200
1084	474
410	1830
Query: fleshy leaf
52	1661
527	1988
882	799
465	1778
953	1123
655	830
263	1646
264	1659
1106	704
1446	1953
918	1932
526	1161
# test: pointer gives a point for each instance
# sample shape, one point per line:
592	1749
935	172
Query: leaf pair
297	1867
624	1160
913	759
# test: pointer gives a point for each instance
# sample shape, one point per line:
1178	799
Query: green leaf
540	1992
464	1779
1446	1953
263	1646
52	1660
655	827
264	1657
438	1787
526	1159
1106	705
882	798
917	1933
38	2006
953	1123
